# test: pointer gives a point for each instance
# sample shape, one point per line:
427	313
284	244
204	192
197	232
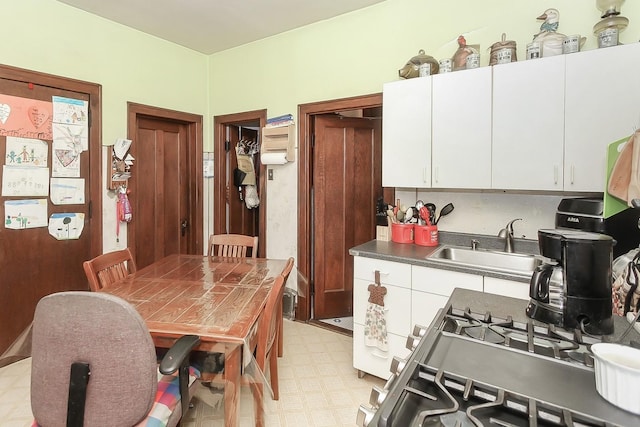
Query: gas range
473	368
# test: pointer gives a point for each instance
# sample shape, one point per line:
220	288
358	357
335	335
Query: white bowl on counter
617	370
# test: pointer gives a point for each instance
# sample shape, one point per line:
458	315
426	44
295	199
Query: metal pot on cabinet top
419	66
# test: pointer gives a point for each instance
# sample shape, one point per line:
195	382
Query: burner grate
530	336
482	404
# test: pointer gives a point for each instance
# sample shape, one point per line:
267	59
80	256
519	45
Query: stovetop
474	369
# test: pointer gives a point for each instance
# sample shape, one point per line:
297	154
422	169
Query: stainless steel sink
490	260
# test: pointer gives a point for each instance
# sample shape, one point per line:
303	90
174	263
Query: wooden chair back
232	245
268	332
105	269
285	275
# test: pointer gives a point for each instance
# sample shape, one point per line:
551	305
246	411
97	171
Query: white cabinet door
391	273
506	288
397	303
372	360
602	106
432	287
425	306
528	124
461	129
442	282
406	133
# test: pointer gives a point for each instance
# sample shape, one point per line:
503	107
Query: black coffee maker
573	290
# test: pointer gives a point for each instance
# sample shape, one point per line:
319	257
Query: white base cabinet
506	288
414	296
396	278
432	287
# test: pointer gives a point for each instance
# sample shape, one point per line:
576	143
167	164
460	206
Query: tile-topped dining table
219	299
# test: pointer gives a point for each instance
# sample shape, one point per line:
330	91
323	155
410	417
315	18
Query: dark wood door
165	194
230	214
33	263
347	180
240	219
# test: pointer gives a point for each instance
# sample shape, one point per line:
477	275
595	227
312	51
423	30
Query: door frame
195	162
305	174
220	191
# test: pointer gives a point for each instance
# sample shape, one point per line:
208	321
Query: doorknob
183	225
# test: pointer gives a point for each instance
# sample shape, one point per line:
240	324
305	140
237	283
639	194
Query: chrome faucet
507	234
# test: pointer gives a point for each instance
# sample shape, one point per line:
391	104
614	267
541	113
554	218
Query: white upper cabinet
528	124
602	106
406	133
461	129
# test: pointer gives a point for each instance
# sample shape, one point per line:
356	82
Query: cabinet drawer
443	282
506	288
425	306
372	360
397	303
391	273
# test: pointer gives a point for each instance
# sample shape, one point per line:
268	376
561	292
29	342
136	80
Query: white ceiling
210	26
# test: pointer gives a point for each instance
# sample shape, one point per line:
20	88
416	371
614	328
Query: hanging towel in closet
375	323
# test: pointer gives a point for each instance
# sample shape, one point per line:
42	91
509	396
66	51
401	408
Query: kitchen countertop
418	255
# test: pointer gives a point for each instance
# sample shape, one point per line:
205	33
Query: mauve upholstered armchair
94	363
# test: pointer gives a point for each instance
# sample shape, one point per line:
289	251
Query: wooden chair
264	346
232	245
107	268
285	274
267	344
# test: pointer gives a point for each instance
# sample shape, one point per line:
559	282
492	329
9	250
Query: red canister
402	233
426	235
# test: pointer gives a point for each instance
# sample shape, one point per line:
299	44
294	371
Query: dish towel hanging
375	323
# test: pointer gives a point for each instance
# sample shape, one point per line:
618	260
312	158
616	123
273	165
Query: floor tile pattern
318	386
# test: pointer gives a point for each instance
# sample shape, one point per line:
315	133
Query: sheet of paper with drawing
22	214
25	181
67	191
26	152
66	226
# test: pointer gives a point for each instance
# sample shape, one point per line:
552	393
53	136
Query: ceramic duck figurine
550	40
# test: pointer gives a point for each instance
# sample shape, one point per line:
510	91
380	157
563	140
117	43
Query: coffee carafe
573	289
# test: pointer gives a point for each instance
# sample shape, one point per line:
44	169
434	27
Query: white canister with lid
534	50
445	65
571	44
473	61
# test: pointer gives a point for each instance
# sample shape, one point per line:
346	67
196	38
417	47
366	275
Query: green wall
350	55
356	53
51	37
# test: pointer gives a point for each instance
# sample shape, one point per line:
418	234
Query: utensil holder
426	235
402	233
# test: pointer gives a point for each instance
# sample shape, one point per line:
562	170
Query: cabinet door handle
572	173
436	174
555	175
381	356
424	175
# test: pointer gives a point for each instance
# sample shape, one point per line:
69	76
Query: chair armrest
178	353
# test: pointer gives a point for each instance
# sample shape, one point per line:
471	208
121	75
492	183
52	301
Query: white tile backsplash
486	213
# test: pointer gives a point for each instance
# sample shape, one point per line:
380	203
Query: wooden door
165	189
347	180
230	213
240	219
33	263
